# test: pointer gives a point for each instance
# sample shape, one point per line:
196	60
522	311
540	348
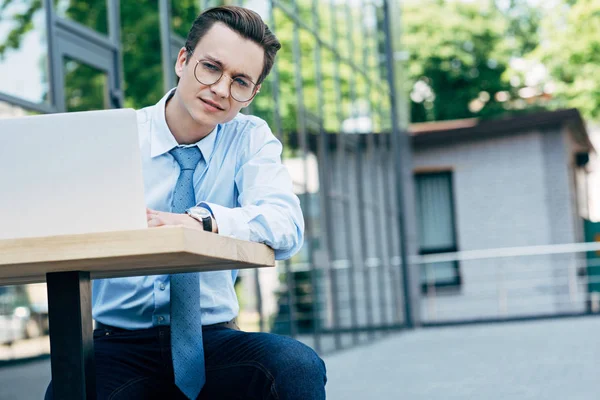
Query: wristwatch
201	215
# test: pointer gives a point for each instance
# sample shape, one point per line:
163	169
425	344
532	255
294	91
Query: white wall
509	191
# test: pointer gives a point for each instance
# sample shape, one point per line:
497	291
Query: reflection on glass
308	298
183	13
305	11
142	63
322	24
23	50
85	87
309	79
330	114
357	33
90	13
375	99
346	87
8	110
360	120
263	105
262	7
288	107
342	30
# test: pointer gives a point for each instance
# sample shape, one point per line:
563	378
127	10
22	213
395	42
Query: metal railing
512	283
495	285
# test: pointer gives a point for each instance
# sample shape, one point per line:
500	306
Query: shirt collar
163	140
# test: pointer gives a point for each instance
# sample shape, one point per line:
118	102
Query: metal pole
387	161
274	76
324	180
363	239
397	143
348	200
301	121
376	204
340	150
164	11
114	30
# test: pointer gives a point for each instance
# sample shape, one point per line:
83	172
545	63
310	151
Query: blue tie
186	325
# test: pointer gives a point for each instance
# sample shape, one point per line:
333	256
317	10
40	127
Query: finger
155	221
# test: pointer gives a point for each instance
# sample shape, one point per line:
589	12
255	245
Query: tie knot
187	157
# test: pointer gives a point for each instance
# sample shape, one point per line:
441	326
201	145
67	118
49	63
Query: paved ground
24	381
545	360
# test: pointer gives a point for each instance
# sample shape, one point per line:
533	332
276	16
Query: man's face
240	59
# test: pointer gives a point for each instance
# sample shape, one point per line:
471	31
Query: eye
210	67
242	82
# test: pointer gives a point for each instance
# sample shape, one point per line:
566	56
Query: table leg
71	335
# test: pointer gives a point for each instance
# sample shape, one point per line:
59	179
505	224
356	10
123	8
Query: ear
182	59
246	104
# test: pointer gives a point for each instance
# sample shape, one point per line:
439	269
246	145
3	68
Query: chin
202	118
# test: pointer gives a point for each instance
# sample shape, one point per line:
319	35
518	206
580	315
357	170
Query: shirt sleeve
269	210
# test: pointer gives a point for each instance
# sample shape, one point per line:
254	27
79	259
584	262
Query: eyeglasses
208	73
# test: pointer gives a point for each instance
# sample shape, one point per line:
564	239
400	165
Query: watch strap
205	221
207	224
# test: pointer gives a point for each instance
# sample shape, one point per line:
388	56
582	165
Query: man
207	166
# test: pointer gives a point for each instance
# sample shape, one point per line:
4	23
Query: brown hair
245	22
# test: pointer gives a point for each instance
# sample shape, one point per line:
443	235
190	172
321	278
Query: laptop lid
70	173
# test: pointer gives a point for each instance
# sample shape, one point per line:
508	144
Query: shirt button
162	286
161	319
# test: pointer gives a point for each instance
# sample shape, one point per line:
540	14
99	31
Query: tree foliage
459	55
571	52
458	64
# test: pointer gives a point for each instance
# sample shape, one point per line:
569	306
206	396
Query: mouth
212	104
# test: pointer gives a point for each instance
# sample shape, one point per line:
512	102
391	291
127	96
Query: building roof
442	131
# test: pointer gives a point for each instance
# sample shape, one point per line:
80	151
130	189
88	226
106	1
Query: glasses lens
207	73
242	89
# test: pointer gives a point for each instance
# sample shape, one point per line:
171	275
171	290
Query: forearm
279	227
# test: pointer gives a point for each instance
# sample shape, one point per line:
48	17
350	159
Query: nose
222	87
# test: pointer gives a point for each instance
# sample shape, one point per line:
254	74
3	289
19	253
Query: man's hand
160	218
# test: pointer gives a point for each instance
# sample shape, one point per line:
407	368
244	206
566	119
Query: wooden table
67	263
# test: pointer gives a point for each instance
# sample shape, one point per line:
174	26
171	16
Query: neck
183	127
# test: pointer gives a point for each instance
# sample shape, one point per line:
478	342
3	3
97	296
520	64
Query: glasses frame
255	90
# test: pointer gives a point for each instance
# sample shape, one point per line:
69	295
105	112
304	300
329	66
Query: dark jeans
137	364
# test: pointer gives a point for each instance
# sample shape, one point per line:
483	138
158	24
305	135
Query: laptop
70	173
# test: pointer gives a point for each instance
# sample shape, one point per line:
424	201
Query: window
90	13
24	51
86	87
436	224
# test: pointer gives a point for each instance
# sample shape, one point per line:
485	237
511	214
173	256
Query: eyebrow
220	64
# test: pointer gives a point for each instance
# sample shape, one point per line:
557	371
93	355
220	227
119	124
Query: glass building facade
331	99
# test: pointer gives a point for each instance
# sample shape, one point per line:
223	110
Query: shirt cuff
230	221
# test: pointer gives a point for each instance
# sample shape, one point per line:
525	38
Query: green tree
459	54
140	40
458	57
571	52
